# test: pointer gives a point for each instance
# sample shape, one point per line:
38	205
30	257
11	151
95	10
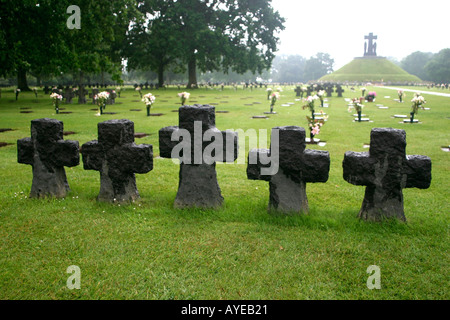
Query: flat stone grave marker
362	115
383	107
156	114
141	135
136	101
4	144
65	112
385	171
135	110
400	116
198	186
6	129
409	121
68	133
387	97
362	120
296	167
118	159
109	112
446	148
260	117
285	105
222	111
48	153
26	111
268	112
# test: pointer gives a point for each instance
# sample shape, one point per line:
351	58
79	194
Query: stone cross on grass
297	167
339	91
385	170
199	145
117	158
48	153
298	90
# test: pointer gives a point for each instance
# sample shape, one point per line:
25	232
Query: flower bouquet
371	96
35	90
118	89
140	90
418	102
148	99
273	99
314	127
358	106
401	94
17	93
321	95
269	92
310	104
184	96
363	90
56	99
101	98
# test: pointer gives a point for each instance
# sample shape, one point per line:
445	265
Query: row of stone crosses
385	170
329	88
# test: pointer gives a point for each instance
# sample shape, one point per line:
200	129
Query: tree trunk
160	76
192	69
22	82
38	81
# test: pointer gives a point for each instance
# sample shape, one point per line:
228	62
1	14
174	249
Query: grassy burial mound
370	69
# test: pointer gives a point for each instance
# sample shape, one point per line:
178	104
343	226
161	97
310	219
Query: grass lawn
149	250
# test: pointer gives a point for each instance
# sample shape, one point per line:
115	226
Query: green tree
438	68
237	35
415	64
289	68
318	66
153	40
30	38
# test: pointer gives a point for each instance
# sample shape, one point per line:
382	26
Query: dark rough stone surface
48	153
385	170
198	186
297	166
117	158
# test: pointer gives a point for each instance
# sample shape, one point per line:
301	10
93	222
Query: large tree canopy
438	68
210	35
34	37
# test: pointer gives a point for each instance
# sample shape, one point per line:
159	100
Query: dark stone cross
297	166
339	91
117	158
298	91
370	50
329	90
48	153
198	186
68	95
385	170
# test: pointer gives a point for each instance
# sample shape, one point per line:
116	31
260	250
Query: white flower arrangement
148	99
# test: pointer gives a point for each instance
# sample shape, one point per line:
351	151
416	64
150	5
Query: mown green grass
149	250
371	69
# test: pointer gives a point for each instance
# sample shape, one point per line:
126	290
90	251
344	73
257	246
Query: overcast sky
338	27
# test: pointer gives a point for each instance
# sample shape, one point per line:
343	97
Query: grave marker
198	186
118	159
297	167
48	153
385	171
